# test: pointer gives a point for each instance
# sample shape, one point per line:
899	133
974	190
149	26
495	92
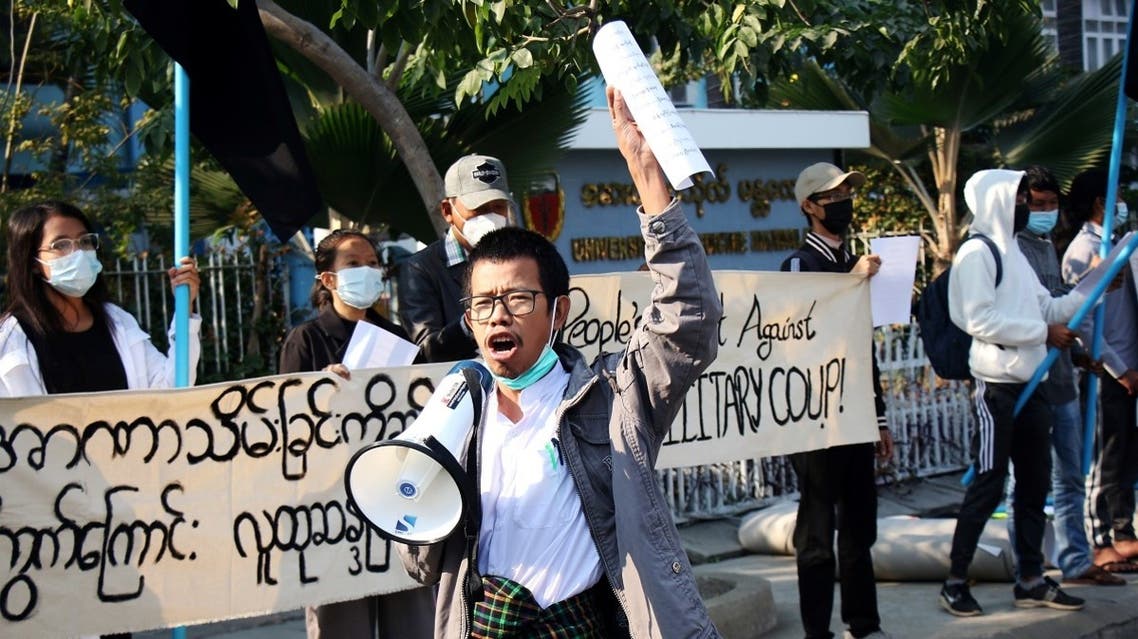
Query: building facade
1086	33
745	212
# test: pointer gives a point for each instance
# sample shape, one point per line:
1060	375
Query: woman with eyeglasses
60	333
348	284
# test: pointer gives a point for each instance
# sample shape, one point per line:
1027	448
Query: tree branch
374	96
14	119
794	5
398	66
379	61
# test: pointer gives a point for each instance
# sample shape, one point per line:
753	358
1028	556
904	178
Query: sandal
1111	560
1097	576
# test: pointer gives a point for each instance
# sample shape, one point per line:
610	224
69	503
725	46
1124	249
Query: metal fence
245	306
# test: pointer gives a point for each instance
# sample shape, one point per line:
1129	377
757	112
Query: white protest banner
793	372
624	66
135	510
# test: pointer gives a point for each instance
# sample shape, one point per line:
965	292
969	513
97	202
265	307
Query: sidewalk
910	609
740	603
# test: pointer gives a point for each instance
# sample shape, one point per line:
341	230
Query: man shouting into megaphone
562	442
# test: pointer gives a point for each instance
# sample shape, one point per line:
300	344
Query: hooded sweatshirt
1008	324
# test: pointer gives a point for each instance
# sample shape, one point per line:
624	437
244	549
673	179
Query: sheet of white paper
624	66
1091	280
373	347
891	289
994	551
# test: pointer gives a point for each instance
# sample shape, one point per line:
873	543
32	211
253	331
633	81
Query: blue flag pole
181	238
1104	249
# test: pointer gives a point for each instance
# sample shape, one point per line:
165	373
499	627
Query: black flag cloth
1131	86
238	106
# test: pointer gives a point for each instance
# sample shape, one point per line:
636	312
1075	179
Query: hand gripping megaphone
396	484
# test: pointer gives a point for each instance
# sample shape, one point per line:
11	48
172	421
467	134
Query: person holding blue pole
60	332
1062	393
1110	496
1010	324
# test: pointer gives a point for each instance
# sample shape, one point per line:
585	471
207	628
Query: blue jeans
1068	489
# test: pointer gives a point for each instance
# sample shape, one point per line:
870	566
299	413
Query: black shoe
957	599
1046	595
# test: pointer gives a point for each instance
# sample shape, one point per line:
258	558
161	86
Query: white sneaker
878	634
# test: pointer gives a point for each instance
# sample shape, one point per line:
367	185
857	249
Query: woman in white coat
60	333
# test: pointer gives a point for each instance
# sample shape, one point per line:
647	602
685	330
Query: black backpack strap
995	254
472	519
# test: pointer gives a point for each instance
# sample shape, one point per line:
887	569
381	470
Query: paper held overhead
624	66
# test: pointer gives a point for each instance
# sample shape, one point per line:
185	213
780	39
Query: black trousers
838	492
1110	486
1026	441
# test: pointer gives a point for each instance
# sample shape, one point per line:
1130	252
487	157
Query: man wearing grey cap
836	485
430	282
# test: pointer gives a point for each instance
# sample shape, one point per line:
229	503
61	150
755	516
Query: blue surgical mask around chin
545	362
1041	222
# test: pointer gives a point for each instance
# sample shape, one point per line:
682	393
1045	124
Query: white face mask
479	226
359	286
73	274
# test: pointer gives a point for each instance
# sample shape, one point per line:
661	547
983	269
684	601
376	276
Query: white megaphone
396	484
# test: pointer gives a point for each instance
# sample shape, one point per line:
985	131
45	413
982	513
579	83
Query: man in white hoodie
1010	325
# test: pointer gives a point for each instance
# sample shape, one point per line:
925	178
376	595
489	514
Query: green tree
509	51
959	82
96	63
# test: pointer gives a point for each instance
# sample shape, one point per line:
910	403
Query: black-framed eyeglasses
518	303
831	197
67	245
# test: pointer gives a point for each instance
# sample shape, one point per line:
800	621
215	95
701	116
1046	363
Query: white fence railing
929	417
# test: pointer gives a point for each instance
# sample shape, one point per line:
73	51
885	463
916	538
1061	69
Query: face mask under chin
540	368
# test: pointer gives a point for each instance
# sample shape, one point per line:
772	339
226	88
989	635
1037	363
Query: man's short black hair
1040	179
512	243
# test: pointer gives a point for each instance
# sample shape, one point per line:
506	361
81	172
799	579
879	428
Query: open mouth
501	346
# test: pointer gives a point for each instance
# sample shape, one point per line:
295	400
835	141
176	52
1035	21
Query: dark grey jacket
428	293
1040	253
613	419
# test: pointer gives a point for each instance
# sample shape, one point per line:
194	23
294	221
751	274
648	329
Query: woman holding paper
348	283
60	333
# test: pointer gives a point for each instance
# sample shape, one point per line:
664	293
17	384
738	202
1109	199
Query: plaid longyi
508	610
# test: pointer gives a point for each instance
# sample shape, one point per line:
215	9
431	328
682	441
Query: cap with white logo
476	180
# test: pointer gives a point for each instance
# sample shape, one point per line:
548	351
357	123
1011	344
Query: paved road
907	609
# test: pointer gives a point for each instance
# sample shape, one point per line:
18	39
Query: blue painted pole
1107	227
181	238
181	222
